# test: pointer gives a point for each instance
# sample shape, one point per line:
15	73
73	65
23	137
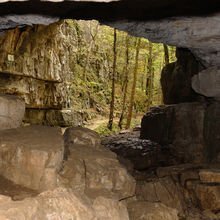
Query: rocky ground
74	176
190	189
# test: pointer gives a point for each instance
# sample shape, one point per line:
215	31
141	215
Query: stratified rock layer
12	111
36	65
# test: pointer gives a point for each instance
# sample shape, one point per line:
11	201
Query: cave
45	174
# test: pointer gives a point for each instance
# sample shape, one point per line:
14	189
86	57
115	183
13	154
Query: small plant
104	131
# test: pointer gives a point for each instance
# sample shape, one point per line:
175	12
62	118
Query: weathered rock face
151	211
31	156
188	190
208	191
62	204
136	153
181	191
207	82
181	126
176	78
35	64
199	34
163	190
92	168
211	134
12	111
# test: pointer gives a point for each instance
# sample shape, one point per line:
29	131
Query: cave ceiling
186	23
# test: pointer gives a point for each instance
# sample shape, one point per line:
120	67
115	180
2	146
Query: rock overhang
193	25
107	10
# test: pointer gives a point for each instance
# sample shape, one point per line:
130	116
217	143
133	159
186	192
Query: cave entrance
64	72
62	75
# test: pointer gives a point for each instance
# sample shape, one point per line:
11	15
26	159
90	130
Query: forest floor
95	123
99	124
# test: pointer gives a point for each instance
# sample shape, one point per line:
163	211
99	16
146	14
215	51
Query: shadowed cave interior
56	77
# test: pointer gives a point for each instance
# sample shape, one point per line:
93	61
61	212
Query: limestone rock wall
12	111
190	129
35	65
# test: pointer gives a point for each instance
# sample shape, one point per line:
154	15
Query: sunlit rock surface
36	65
12	111
33	64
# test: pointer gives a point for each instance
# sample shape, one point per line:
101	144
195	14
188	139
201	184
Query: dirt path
97	122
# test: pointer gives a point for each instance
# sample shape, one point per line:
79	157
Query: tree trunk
112	104
125	84
91	45
149	81
166	54
130	109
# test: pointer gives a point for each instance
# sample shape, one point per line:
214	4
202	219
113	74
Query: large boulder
12	111
180	126
31	156
91	168
136	153
176	78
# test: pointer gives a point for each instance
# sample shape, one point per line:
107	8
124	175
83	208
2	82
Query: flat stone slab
31	156
210	176
12	111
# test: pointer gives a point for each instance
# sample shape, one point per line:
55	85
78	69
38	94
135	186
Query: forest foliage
110	64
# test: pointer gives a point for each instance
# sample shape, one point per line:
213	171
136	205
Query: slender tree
149	81
112	104
166	54
125	83
130	109
93	34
